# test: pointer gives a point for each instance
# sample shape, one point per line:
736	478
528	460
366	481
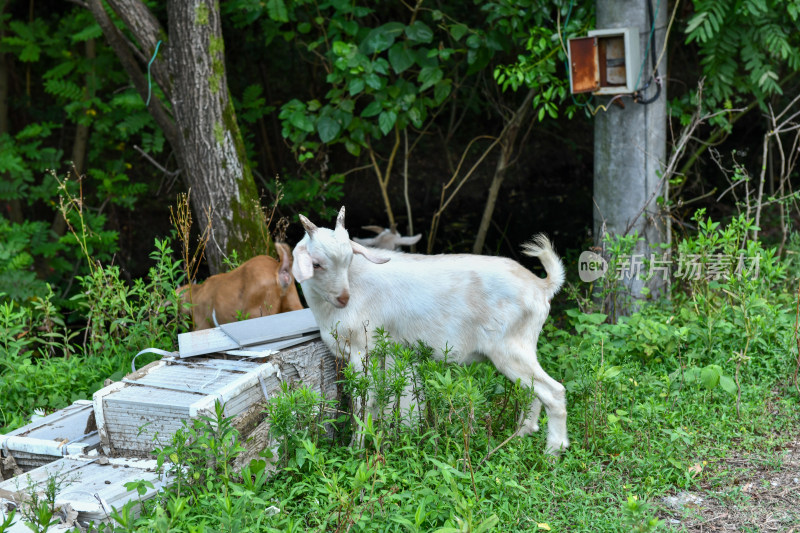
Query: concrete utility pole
630	143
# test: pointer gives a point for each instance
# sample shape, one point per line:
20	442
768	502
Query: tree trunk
82	131
202	129
507	143
213	150
3	80
14	205
81	141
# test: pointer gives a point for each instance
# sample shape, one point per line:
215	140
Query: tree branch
147	31
117	43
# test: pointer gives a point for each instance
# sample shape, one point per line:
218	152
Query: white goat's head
387	238
322	259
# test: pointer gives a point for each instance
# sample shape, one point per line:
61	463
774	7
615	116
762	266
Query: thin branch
683	141
405	183
169	173
117	42
147	31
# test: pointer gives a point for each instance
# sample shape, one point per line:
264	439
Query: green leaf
420	32
299	120
429	76
709	377
355	86
276	9
353	148
60	70
63	88
441	91
728	385
400	57
381	38
30	54
458	31
386	121
92	31
328	129
594	318
372	109
374	81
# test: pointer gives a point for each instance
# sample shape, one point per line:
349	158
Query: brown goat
260	286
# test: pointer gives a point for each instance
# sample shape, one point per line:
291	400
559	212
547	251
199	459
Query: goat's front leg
363	404
530	424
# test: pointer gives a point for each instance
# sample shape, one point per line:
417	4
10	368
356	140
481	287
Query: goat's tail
541	247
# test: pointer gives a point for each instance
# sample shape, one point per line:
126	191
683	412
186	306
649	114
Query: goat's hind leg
548	392
551	393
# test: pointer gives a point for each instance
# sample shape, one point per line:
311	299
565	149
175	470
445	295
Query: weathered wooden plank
146	402
313	365
262	350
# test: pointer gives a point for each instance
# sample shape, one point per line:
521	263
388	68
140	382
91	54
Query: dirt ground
754	492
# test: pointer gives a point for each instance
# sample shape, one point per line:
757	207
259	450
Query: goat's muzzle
342	299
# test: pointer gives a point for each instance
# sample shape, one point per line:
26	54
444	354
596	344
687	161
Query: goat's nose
343	298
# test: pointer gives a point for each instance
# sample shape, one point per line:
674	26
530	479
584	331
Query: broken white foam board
68	431
92	487
262	331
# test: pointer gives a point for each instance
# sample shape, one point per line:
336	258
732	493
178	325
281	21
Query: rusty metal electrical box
605	62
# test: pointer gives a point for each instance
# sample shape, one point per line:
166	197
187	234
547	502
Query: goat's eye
317	266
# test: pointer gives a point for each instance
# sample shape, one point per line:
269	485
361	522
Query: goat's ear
303	266
340	219
375	229
308	225
408	241
365	242
368	255
284	271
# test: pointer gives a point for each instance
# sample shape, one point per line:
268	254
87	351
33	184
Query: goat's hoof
556	448
527	428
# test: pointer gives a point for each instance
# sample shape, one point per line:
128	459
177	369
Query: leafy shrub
46	364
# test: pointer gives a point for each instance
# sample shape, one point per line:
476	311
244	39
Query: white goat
481	307
387	238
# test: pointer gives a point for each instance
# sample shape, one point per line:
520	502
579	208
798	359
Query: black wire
655	96
654	75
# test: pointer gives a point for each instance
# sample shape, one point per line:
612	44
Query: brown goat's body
260	286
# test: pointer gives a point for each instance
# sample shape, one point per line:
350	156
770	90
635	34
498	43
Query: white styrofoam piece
152	405
90	487
60	433
255	331
272	348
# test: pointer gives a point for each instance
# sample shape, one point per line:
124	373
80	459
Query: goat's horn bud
308	225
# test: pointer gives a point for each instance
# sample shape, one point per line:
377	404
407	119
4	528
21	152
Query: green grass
692	394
